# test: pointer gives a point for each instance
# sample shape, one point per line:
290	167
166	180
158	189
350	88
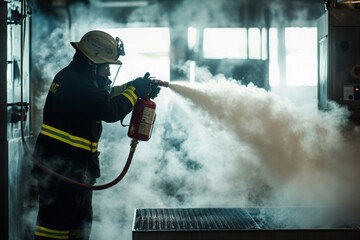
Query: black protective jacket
72	117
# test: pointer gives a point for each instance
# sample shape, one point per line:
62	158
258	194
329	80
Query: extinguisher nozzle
161	83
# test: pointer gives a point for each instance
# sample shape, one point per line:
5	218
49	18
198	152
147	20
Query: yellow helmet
100	47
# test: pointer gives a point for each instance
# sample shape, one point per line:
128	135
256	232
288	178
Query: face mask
104	83
102	80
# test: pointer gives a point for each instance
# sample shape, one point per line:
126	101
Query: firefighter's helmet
100	47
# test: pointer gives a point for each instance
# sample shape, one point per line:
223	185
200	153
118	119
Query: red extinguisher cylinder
142	119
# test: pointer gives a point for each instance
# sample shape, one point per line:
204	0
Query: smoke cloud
221	144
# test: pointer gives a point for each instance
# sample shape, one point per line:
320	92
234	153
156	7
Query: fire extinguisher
143	116
142	119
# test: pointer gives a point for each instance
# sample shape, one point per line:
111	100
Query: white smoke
220	144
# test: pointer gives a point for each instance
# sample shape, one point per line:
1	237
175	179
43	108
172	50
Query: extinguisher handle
155	85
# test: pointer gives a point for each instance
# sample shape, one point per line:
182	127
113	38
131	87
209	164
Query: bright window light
301	56
274	71
254	43
225	43
146	50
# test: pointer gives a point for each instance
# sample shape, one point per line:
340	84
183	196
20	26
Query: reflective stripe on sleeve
51	233
129	94
68	138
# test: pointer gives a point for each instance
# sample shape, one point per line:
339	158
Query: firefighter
77	102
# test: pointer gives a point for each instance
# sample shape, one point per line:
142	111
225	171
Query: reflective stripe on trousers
47	233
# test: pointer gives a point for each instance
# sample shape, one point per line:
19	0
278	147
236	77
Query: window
225	43
274	69
301	56
254	43
300	59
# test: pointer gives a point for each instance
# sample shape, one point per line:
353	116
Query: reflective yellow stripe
51	233
129	94
52	230
68	138
131	88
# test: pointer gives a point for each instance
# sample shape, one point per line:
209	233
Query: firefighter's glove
142	86
155	89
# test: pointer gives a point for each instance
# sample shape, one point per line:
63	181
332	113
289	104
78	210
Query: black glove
155	89
142	85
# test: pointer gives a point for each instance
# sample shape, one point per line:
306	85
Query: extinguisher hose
133	145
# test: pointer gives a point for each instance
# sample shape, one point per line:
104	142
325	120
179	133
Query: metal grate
158	219
238	223
194	219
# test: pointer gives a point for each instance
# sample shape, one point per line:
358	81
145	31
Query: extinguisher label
147	121
148	115
145	129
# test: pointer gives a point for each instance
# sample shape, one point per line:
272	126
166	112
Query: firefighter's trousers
65	211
